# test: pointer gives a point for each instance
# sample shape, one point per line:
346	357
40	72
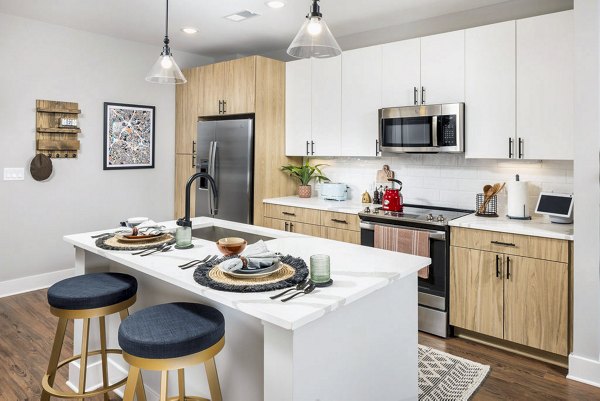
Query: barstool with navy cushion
172	337
86	297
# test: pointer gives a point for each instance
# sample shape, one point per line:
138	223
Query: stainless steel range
433	290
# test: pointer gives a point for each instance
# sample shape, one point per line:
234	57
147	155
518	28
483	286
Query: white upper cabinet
401	73
490	90
545	75
361	100
297	107
326	107
443	68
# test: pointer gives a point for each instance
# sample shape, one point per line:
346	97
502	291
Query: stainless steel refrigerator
225	150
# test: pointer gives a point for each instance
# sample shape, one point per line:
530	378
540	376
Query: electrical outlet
14	174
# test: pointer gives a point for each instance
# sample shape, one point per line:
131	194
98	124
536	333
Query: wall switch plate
14	174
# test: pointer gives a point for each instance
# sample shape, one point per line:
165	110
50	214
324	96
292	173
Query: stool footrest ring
187	398
60	394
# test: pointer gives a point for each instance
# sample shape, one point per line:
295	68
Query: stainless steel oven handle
433	234
434	131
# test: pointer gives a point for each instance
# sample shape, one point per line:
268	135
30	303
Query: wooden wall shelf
51	139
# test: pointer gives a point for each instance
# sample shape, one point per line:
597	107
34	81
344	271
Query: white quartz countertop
538	226
357	271
349	206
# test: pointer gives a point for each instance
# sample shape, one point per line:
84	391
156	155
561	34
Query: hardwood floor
27	331
514	377
26	335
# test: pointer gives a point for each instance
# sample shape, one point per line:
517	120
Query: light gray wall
514	9
43	61
584	362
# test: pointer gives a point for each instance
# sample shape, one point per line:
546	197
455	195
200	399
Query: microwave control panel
447	130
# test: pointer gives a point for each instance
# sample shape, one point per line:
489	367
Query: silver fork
212	259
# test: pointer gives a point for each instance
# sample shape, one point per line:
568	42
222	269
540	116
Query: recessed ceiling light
275	4
242	15
189	30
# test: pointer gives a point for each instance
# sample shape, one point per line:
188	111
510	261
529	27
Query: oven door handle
433	234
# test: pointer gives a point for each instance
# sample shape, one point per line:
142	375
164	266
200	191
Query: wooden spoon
487	193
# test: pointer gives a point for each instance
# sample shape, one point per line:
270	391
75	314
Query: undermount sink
214	233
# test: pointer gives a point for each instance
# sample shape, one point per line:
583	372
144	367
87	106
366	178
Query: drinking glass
183	237
319	269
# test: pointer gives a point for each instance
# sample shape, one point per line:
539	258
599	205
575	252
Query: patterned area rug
447	377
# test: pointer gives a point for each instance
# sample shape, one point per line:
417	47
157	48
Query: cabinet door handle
339	221
312	148
292	227
224	107
220	107
510	147
286	226
507	268
497	266
502	243
288	213
416	95
422	95
376	147
520	148
307	151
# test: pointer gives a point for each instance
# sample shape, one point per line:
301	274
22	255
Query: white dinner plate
254	273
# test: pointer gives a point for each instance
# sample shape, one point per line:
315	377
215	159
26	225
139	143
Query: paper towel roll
518	199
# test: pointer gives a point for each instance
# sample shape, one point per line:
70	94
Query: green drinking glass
320	269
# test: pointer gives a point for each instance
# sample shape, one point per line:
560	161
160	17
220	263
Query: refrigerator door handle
211	167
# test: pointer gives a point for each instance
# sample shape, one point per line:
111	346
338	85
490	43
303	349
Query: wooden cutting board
384	174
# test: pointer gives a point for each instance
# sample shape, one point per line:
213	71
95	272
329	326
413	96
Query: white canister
518	199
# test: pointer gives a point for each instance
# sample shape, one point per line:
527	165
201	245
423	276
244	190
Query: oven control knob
367	209
429	217
441	218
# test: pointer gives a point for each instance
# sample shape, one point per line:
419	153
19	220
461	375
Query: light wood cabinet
249	86
545	86
536	303
443	68
490	90
361	100
229	87
518	293
318	223
476	291
183	171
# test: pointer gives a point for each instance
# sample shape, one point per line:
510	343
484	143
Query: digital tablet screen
555	204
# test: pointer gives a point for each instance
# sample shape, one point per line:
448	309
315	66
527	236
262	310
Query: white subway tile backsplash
449	179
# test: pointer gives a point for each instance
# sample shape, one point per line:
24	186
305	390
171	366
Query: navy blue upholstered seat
171	330
92	291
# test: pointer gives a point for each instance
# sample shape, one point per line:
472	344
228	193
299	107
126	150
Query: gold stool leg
55	355
213	380
84	355
164	378
102	320
132	380
181	377
140	390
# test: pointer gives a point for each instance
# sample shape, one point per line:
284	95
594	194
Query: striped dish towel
403	240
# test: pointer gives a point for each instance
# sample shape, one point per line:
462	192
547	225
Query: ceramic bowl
231	245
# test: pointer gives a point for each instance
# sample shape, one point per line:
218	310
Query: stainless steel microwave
435	128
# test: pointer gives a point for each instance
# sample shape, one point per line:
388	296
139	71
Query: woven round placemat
113	244
293	272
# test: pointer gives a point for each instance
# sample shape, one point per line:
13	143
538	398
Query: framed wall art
128	136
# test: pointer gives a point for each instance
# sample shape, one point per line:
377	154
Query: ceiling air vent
241	16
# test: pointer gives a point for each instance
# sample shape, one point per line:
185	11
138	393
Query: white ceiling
143	20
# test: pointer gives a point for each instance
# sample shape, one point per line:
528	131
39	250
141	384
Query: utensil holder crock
490	209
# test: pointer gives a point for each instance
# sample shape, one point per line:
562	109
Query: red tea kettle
392	198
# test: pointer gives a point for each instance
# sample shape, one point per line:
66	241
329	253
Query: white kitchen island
355	340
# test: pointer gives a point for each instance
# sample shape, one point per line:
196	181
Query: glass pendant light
314	38
166	70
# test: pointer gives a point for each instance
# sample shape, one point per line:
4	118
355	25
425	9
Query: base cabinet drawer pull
497	265
502	243
286	226
291	227
288	213
507	268
339	221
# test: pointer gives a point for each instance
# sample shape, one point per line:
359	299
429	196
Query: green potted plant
305	173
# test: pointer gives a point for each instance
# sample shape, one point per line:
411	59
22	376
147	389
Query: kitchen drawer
511	244
293	227
302	215
343	221
337	234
